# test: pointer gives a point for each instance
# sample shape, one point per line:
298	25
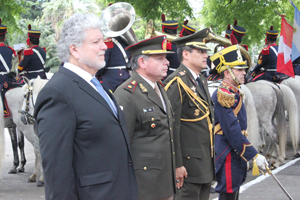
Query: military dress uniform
115	71
150	128
192	125
34	58
6	54
233	149
266	68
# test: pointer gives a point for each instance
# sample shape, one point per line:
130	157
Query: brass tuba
151	32
117	20
222	41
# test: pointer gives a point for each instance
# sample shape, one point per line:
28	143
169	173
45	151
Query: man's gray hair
73	32
134	64
181	49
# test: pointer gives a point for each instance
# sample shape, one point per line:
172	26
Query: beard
92	63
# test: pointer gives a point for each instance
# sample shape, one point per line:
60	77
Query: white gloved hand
261	161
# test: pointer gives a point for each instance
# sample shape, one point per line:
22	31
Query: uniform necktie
105	96
158	93
201	85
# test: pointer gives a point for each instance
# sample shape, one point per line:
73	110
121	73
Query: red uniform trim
12	50
258	76
27	52
228	173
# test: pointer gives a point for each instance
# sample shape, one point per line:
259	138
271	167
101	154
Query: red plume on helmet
29	26
163	17
0	21
228	27
235	22
186	22
271	28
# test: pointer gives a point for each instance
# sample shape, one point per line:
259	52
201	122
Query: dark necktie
102	92
201	85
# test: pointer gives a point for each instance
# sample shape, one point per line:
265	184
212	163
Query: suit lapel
82	84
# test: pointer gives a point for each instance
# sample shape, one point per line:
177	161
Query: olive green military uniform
193	138
151	137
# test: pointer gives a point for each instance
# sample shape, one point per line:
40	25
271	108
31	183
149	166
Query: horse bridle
26	117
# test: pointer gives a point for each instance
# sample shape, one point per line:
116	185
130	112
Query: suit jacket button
129	163
173	153
188	157
152	119
145	168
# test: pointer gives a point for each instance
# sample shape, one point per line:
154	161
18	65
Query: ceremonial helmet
272	34
3	28
33	35
238	31
186	30
228	32
170	26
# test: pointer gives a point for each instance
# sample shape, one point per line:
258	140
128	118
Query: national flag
296	35
284	61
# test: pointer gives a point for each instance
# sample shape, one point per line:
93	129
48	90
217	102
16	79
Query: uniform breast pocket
150	122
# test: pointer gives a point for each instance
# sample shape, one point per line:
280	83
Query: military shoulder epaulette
225	97
265	51
109	43
27	52
245	46
14	52
45	49
131	86
182	73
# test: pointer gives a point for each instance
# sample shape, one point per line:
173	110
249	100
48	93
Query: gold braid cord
195	99
225	99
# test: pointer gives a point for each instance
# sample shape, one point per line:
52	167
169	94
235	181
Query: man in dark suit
83	134
193	129
149	120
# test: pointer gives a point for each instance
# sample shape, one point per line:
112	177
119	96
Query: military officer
6	54
149	119
266	68
170	27
193	111
34	57
233	149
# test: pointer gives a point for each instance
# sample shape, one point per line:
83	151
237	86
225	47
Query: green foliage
10	11
173	9
256	16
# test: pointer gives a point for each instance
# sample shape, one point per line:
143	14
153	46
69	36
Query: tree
256	16
57	11
10	12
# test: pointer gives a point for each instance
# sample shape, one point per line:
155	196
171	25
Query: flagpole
290	23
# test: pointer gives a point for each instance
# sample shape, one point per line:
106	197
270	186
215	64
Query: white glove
261	161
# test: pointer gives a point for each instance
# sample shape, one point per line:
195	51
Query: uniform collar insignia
193	88
143	88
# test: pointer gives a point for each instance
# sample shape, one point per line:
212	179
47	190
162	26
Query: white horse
270	101
15	99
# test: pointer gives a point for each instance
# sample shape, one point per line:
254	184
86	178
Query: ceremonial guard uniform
115	71
6	54
266	68
34	57
150	126
193	129
233	149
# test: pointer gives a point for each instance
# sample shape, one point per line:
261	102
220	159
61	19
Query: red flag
284	61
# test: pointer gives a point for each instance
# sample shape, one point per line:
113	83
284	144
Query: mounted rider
34	57
233	149
266	68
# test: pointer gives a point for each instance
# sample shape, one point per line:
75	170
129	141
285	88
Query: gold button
172	140
152	119
173	153
189	158
145	168
170	128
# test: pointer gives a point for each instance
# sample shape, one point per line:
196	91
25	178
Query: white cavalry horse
270	101
15	99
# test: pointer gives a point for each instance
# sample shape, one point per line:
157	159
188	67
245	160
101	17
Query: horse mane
38	84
